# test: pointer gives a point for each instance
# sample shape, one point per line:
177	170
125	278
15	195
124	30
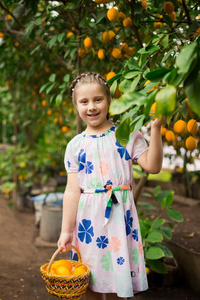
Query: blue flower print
135	234
69	164
89	167
81	160
122	151
85	231
128	222
102	242
73	256
109	182
120	260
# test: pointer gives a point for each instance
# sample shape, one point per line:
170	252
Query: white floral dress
112	249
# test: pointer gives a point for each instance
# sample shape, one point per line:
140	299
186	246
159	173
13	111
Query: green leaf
124	102
44	86
66	78
157	223
132	65
149	49
48	90
156	190
123	132
154	236
157	266
157	74
101	15
154	252
52	41
166	56
166	101
131	74
167	233
38	21
165	41
139	122
174	215
111	80
192	86
52	78
113	87
165	249
185	58
61	37
125	86
135	83
58	99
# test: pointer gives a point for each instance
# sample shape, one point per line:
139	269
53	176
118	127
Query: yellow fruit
55	120
153	110
63	263
79	271
123	47
20	177
22	164
64	129
49	112
191	143
197	32
168	7
146	82
6	191
105	37
180	170
111	35
101	54
122	15
192	126
44	103
110	75
113	14
172	16
87	42
2	35
69	34
144	4
180	127
163	130
147	270
157	25
127	22
116	53
61	270
169	135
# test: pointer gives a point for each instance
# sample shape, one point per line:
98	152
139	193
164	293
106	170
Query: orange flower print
140	249
103	168
115	244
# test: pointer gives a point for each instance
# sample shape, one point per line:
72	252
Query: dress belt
111	196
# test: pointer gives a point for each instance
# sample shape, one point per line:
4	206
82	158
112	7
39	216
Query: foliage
155	227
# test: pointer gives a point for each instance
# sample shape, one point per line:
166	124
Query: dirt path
20	261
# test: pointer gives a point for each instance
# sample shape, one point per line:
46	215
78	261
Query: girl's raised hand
65	241
157	122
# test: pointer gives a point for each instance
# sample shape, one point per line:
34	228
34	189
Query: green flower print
95	183
107	262
135	256
81	204
93	278
125	196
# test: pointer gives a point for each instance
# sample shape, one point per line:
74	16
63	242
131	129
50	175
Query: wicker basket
66	287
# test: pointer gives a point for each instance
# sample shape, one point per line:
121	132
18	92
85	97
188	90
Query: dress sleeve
70	159
137	145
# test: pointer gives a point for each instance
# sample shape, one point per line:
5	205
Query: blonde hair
87	78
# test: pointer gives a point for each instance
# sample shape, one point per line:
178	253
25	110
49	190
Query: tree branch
13	16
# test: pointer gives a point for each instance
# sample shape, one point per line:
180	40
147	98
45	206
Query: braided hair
87	78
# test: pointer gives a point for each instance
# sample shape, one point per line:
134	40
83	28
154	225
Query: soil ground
20	259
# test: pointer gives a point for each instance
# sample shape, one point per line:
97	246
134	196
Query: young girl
99	214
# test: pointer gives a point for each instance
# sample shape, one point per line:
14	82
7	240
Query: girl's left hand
157	122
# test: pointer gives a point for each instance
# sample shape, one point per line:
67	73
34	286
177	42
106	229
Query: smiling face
92	105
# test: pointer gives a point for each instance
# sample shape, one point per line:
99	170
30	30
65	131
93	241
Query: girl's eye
98	100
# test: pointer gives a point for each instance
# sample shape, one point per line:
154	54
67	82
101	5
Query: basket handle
60	250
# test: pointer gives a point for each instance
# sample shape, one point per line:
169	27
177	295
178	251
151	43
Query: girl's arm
70	204
151	160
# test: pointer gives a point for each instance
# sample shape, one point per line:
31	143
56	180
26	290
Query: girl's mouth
92	115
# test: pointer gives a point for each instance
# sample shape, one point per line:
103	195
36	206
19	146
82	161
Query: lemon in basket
63	263
61	270
79	271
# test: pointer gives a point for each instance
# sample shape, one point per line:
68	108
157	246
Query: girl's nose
91	105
